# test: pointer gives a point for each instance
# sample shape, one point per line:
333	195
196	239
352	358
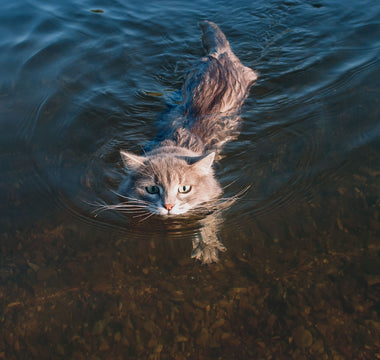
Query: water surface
300	277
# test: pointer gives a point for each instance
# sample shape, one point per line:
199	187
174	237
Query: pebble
302	337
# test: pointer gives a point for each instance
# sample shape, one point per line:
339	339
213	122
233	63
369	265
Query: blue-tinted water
300	277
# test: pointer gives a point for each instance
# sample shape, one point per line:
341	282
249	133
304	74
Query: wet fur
213	91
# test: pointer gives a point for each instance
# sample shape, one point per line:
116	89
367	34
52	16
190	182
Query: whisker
91	203
237	196
132	211
228	185
130	199
217	205
150	214
123	207
101	208
142	214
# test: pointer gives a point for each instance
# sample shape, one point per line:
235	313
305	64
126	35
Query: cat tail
213	39
215	43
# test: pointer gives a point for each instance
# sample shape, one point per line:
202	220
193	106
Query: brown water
301	276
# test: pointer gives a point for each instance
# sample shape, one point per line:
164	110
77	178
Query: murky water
301	276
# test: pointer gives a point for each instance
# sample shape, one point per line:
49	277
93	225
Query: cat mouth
163	212
172	212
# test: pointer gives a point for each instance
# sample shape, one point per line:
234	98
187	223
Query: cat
176	177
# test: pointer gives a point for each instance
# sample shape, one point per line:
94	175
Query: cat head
169	183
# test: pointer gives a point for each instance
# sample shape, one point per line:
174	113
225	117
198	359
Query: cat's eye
184	189
152	189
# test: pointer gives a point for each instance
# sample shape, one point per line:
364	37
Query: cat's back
220	82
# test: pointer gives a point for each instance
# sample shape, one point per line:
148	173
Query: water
300	277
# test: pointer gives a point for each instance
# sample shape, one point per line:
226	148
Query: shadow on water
300	277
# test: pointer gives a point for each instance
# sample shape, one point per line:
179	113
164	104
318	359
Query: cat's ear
204	164
131	161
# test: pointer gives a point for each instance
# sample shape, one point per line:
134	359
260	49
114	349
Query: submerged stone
302	337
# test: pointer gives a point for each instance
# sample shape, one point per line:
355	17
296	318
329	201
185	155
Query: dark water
301	276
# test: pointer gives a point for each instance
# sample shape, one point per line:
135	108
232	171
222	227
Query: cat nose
168	206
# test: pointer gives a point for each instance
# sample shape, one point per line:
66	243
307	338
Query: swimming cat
176	176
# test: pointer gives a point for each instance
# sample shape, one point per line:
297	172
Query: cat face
169	184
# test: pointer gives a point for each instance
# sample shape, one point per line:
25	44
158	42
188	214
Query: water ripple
86	83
